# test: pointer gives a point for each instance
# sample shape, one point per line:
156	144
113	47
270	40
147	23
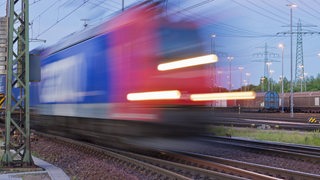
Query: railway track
168	165
171	164
274	120
302	153
193	167
273	172
299	152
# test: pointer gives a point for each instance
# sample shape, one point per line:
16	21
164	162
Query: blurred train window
316	101
180	42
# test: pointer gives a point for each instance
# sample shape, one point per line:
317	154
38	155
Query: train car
306	102
251	105
134	75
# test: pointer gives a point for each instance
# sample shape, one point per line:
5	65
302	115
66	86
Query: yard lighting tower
248	80
281	46
268	77
291	6
213	44
240	69
230	58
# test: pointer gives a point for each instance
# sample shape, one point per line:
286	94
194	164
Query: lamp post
248	79
291	6
282	93
230	58
245	84
212	47
301	78
213	44
240	69
305	81
219	81
271	79
262	83
268	78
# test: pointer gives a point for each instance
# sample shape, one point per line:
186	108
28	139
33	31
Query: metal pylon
299	76
17	131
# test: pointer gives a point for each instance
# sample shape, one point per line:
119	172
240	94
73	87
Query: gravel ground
233	153
78	164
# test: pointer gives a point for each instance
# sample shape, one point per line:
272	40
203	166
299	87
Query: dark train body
305	102
93	83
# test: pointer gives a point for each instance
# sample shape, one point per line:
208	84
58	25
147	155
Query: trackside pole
17	131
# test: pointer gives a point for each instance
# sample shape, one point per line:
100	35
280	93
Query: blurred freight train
306	102
138	74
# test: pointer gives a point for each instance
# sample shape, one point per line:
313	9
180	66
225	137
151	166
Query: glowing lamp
212	58
154	95
223	96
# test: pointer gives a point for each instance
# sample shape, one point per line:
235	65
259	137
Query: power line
266	54
44	11
251	9
58	21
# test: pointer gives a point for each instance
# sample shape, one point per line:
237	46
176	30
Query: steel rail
201	166
297	151
274	171
123	159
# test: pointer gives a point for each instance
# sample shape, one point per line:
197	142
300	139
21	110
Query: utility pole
17	131
299	76
299	65
268	58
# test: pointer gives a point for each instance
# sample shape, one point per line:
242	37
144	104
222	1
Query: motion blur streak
188	62
223	96
155	95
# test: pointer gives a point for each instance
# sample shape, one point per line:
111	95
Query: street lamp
291	6
245	84
219	86
240	69
262	83
282	93
271	79
248	80
301	78
268	78
230	58
305	82
213	44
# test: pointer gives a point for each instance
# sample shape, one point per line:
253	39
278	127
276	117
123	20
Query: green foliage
295	137
311	84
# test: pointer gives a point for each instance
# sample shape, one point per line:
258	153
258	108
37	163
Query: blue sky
242	28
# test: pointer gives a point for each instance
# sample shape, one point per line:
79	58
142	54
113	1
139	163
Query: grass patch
295	137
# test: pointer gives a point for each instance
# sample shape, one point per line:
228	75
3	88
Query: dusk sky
242	28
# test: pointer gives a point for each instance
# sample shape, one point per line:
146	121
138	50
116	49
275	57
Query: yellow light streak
154	95
223	96
212	58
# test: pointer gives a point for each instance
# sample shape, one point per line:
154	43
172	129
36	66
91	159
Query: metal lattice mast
299	68
299	75
268	58
17	136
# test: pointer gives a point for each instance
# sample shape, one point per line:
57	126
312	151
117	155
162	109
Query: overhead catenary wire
59	20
